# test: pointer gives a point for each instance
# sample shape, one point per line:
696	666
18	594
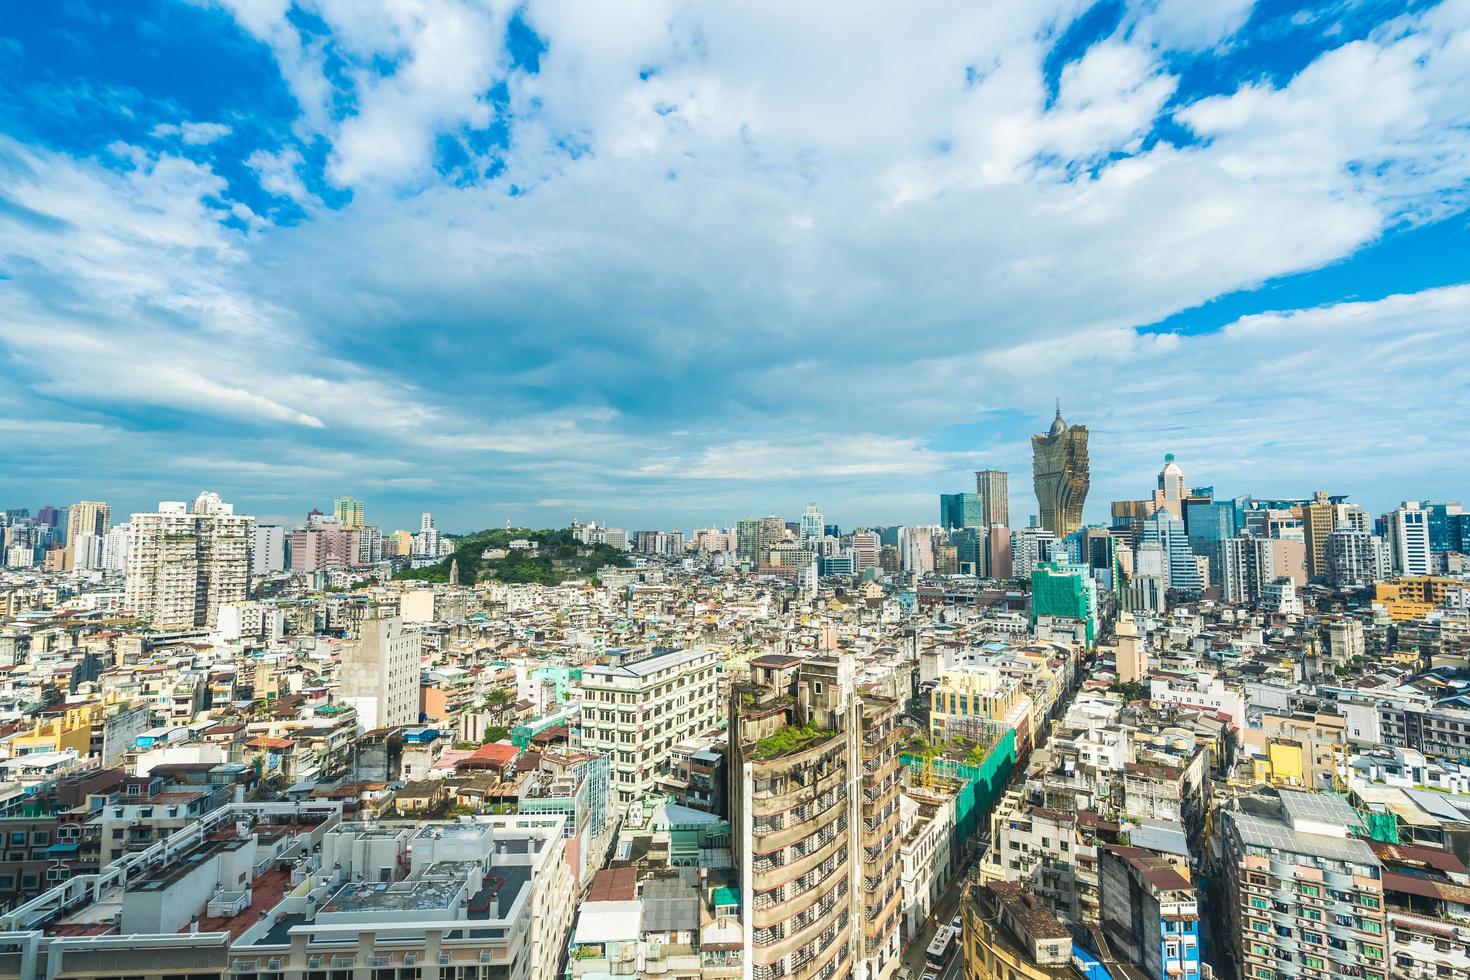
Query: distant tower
1060	472
993	487
1170	494
811	527
454	571
507	523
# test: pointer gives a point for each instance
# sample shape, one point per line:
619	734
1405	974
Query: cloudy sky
666	264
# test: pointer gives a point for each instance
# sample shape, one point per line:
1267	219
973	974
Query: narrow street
945	909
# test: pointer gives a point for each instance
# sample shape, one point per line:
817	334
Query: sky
662	264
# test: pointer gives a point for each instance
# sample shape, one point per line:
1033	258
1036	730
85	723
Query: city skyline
319	267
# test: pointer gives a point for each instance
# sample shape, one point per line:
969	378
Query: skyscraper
88	517
348	511
1170	493
1060	472
994	490
1167	531
957	510
748	540
1408	538
184	562
811	527
1319	519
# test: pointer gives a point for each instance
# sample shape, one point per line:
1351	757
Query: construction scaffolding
978	787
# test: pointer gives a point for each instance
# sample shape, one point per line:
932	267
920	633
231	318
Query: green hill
557	557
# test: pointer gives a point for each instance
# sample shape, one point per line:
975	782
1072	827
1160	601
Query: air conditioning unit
273	965
444	959
410	959
485	956
313	962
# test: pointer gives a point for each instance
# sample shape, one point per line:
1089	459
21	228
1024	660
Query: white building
1408	538
115	548
1202	690
184	562
270	549
636	712
380	673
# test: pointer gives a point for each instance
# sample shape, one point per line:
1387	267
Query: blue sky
667	264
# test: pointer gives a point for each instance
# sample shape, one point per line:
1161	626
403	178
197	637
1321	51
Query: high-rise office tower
1059	471
88	517
814	814
1170	493
1408	538
1167	531
1444	525
185	561
811	527
994	490
380	673
866	548
957	510
348	511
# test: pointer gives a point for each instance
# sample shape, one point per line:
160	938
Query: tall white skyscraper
185	561
1408	538
86	550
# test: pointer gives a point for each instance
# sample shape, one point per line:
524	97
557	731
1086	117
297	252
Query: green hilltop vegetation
557	557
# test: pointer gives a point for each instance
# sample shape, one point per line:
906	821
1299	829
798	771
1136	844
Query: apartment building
1303	899
380	673
814	803
184	562
638	710
1150	912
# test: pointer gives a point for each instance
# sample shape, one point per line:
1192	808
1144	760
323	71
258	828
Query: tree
1129	690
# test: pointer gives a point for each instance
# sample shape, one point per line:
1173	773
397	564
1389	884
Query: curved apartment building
814	791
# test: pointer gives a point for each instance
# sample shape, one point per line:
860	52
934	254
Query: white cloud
772	242
193	133
280	173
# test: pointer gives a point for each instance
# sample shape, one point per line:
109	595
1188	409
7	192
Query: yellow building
980	692
1412	597
69	729
1295	749
1318	521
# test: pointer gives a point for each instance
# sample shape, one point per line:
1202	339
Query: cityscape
669	490
1211	735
